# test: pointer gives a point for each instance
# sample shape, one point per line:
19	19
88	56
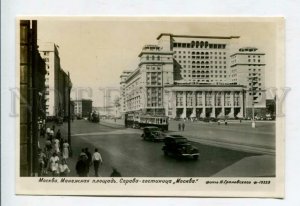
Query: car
179	146
153	134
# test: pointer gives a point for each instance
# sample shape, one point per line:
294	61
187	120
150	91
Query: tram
140	121
94	117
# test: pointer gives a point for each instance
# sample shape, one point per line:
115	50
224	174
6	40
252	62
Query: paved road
125	150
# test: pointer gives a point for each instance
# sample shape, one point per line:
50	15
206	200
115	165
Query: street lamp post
69	112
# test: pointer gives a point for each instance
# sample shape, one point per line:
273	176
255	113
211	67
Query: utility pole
69	112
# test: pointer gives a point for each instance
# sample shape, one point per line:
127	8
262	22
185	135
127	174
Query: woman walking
65	152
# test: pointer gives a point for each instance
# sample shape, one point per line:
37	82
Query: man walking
183	126
89	159
179	127
97	159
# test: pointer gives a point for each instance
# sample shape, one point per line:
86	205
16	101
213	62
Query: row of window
206	62
206	76
199	53
199	44
199	57
202	72
249	60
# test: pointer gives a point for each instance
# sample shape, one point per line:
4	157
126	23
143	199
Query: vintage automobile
179	146
153	134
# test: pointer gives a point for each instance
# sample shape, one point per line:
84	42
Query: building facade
191	76
57	81
32	101
83	107
248	68
122	100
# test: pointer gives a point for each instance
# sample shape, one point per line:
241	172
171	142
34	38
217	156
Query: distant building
193	76
57	81
122	100
83	107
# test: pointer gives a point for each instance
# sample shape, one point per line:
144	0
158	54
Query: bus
140	121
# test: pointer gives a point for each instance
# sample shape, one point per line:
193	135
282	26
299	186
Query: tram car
140	121
94	117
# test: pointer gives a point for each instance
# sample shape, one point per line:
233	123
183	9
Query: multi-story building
123	77
83	107
199	59
186	76
32	85
248	68
57	81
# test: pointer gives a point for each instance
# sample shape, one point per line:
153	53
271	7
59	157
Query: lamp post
69	113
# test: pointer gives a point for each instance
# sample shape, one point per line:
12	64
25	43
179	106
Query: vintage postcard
150	106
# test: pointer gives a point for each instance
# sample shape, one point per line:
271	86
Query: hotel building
187	76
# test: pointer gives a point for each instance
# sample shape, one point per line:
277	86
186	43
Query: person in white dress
63	168
56	146
65	152
53	164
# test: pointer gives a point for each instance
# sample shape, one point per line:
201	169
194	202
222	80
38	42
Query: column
172	103
194	105
241	114
203	105
223	103
213	113
231	114
183	115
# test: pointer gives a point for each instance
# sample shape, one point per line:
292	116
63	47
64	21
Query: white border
11	8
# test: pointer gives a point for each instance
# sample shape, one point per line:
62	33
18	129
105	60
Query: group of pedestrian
85	160
53	157
181	126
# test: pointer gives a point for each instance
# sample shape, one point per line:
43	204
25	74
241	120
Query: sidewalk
264	164
72	160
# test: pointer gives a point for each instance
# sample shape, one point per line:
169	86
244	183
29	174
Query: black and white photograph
165	101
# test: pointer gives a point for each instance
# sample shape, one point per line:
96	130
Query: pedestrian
179	127
53	164
53	128
48	144
63	168
65	150
81	166
115	173
183	126
83	154
97	160
89	158
58	134
56	145
42	132
41	160
51	133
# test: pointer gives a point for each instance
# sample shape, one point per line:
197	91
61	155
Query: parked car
179	146
153	134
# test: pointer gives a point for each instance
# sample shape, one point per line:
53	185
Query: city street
224	150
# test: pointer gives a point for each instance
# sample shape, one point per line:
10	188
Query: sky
96	50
